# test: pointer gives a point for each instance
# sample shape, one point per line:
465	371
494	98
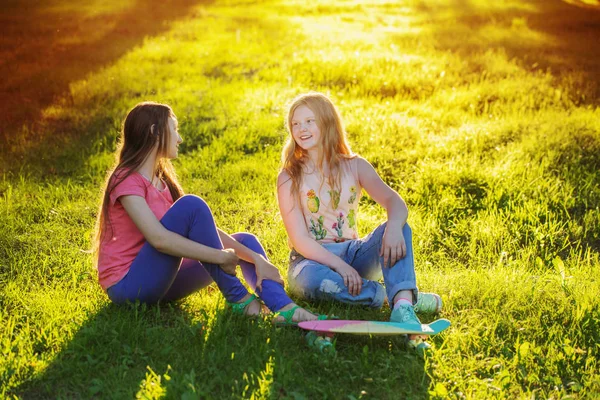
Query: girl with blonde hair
319	188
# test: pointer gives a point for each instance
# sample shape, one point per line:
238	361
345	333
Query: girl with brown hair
155	243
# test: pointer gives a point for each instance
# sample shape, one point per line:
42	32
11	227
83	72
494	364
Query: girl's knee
250	241
407	230
379	232
245	238
192	202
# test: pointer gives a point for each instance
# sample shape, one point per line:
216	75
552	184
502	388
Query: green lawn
483	115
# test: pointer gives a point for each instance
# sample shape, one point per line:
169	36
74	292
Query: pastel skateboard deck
374	327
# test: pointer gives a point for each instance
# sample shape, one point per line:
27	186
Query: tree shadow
45	47
541	34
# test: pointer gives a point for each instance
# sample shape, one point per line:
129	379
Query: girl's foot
428	303
292	314
248	305
405	313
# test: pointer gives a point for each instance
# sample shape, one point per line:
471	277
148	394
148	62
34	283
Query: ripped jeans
310	280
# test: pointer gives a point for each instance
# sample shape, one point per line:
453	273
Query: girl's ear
152	129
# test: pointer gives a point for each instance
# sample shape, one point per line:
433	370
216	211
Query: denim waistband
295	257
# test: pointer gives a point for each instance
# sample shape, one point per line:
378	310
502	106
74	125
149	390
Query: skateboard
376	328
320	333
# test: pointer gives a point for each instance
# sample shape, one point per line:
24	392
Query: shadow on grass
47	46
363	366
125	350
109	354
153	351
541	34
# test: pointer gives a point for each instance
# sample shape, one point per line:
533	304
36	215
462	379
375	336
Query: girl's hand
266	270
393	246
230	261
352	279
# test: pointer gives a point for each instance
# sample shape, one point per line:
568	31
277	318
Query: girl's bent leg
311	280
152	273
192	218
272	293
191	277
401	276
364	256
149	277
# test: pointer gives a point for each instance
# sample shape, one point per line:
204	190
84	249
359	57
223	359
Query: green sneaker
289	314
419	346
428	303
405	314
240	308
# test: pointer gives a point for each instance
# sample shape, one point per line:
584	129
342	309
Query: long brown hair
146	125
333	146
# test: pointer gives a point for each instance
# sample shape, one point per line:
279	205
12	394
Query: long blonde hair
146	125
333	146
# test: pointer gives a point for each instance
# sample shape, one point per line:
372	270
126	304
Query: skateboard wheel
321	343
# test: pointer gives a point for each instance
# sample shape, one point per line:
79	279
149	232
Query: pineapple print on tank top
330	215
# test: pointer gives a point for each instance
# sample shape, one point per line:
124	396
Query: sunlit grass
460	106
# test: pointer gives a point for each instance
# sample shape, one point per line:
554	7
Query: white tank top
331	216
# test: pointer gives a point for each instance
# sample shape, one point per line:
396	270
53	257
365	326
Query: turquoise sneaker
428	303
405	314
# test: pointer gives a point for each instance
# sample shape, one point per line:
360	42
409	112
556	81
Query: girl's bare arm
393	247
264	268
302	241
169	242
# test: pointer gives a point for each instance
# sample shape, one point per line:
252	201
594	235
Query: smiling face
174	139
305	129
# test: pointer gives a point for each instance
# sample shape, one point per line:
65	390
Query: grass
482	115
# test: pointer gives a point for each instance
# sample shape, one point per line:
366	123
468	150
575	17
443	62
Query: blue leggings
155	276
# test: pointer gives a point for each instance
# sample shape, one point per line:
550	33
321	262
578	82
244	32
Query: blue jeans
310	280
155	276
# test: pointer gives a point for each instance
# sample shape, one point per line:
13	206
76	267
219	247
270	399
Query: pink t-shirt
117	251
